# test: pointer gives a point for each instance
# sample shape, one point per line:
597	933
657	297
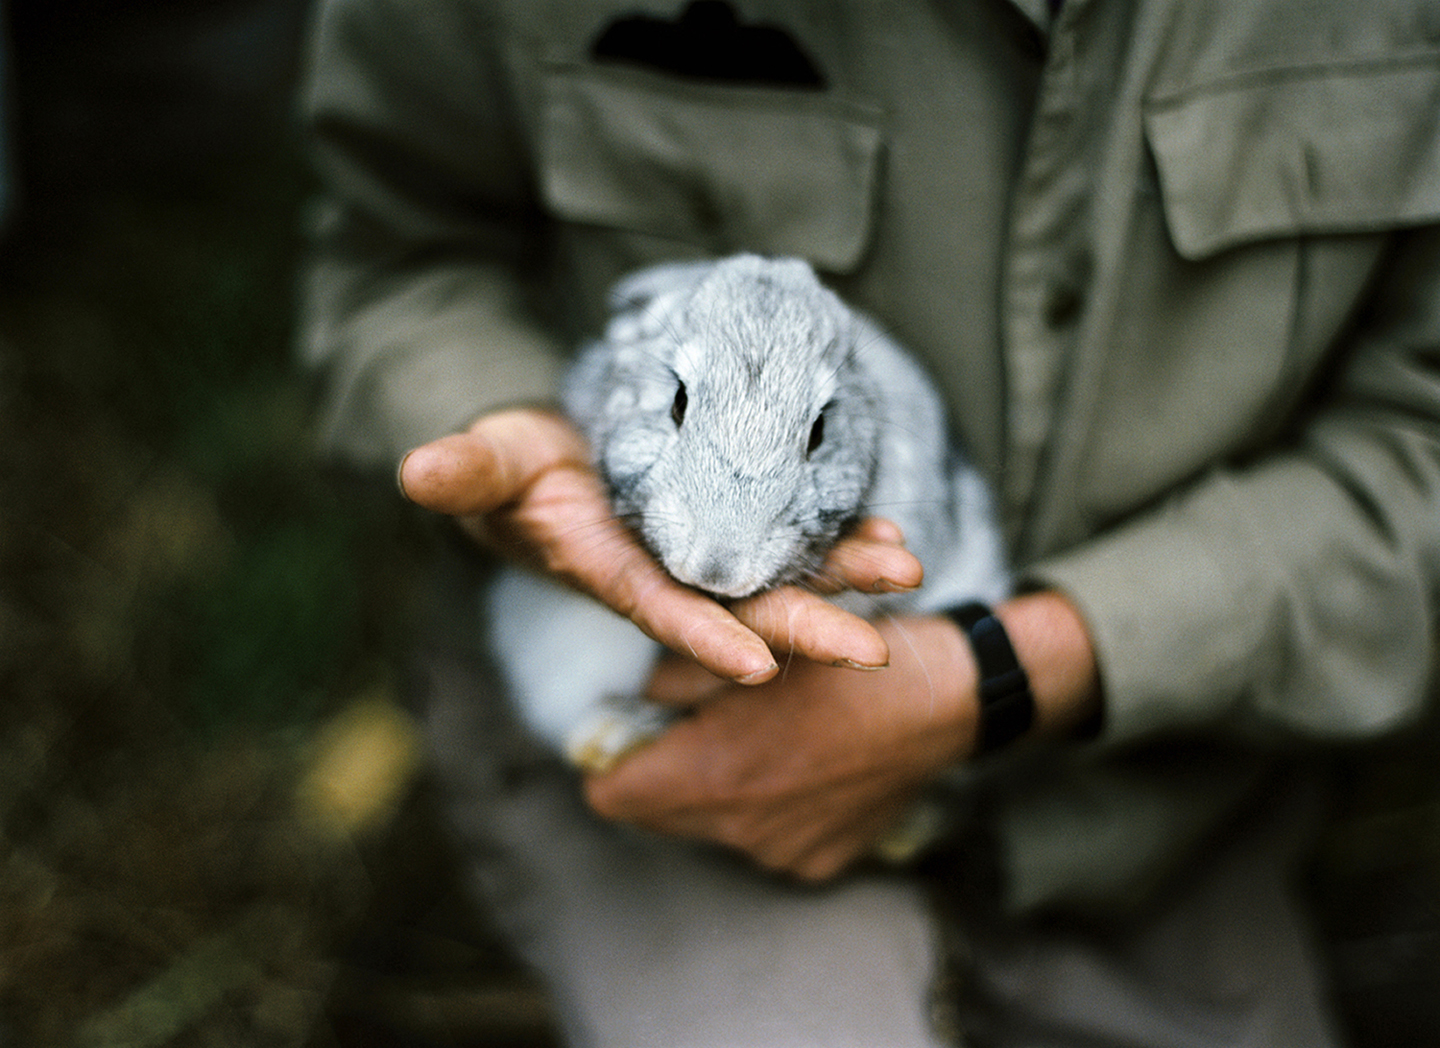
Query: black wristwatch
1007	707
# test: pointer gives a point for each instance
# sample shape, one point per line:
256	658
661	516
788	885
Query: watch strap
1007	706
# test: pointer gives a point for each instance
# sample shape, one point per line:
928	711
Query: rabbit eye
817	434
677	409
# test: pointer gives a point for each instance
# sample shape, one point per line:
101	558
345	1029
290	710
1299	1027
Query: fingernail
759	676
890	586
400	474
851	664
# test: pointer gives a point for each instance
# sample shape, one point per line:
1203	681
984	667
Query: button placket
1047	272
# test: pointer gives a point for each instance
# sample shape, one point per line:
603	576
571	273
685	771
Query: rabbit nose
719	577
725	579
713	575
722	573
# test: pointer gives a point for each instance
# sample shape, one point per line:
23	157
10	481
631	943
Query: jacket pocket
1351	148
723	168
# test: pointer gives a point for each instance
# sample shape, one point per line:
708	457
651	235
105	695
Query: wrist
1053	644
1034	673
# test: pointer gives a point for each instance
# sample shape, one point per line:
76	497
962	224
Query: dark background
215	825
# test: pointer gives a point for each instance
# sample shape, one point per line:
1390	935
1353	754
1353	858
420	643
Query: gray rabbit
743	418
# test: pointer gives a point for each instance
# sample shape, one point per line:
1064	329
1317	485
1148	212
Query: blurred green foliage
191	602
160	331
185	592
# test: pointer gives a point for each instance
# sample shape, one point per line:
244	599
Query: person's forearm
1053	645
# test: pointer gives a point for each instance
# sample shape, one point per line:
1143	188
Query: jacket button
1063	303
1064	299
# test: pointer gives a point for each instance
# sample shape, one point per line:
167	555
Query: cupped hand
520	481
805	773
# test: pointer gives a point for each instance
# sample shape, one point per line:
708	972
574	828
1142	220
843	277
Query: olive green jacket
1176	266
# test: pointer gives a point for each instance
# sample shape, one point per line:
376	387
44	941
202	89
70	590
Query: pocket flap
774	171
1340	149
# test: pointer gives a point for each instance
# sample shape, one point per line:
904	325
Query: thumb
491	463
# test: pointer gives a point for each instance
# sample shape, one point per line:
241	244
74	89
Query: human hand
807	773
520	482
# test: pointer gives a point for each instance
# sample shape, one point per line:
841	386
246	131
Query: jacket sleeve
417	309
1292	596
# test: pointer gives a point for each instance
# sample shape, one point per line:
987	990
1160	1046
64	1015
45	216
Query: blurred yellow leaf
364	760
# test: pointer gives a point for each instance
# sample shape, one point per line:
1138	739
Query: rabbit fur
743	419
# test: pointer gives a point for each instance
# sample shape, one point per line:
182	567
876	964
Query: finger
602	557
691	625
880	529
491	463
564	524
813	848
798	621
832	855
871	565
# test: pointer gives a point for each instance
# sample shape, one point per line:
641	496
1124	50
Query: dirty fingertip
759	676
892	586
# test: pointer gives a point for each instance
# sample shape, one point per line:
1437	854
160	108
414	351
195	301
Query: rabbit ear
639	290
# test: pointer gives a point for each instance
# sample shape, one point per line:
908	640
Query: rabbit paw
617	727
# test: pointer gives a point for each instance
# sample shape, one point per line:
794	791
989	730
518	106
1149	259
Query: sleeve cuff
1259	605
1180	605
422	358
